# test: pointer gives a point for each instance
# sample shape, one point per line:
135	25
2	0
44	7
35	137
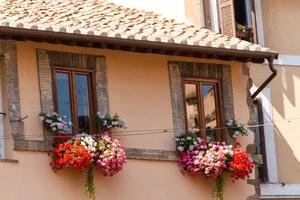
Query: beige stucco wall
139	91
281	27
285	96
193	12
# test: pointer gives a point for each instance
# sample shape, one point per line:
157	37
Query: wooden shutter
227	19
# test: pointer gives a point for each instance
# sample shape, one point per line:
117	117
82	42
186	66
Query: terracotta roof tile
98	18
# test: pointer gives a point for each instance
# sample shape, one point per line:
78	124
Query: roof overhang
22	34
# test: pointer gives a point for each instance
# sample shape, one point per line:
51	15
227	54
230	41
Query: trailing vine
219	187
89	185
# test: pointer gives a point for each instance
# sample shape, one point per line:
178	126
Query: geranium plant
235	128
110	155
70	154
214	160
106	122
186	142
85	152
54	123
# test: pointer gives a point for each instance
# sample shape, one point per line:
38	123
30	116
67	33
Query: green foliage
186	142
219	187
89	185
236	128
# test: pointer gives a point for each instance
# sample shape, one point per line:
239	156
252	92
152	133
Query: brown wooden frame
72	84
217	89
263	172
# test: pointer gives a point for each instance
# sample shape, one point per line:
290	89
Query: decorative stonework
151	154
9	50
179	70
101	86
49	59
251	148
46	59
45	81
177	98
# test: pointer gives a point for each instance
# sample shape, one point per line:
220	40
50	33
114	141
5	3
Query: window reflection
82	99
63	95
209	105
192	110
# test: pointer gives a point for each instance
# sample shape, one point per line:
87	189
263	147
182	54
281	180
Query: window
74	97
237	18
202	108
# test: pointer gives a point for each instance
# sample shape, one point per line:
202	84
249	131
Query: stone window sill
131	153
9	160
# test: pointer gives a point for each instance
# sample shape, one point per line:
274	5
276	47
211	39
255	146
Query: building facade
139	73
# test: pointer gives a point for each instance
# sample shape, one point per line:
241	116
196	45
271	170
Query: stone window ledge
131	153
151	154
9	160
279	191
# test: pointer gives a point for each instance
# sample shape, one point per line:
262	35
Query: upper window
235	18
202	108
73	90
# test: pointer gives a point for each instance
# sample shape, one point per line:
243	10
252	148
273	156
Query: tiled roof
98	18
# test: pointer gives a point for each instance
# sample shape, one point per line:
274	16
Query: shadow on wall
288	163
284	88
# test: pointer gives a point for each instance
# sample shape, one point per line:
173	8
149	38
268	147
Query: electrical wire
143	132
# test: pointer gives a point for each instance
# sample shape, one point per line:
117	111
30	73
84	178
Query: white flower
229	122
177	139
236	134
60	126
49	121
191	147
180	148
195	142
114	123
188	138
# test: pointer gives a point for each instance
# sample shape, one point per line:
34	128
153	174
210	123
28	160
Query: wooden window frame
262	172
72	84
217	97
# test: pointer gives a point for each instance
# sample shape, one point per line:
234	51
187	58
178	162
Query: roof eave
136	45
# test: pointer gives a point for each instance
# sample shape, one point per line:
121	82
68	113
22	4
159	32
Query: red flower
241	166
72	155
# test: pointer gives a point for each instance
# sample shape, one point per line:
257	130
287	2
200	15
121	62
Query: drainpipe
269	79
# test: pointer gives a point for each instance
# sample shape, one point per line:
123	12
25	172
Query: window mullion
91	104
73	103
201	110
220	136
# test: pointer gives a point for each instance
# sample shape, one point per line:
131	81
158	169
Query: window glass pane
210	117
192	110
63	96
83	107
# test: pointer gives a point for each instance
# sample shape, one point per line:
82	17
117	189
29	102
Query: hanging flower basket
84	152
214	160
87	153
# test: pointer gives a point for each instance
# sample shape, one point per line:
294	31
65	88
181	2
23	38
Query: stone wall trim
221	72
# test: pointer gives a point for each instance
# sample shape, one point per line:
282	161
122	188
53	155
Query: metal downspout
269	79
